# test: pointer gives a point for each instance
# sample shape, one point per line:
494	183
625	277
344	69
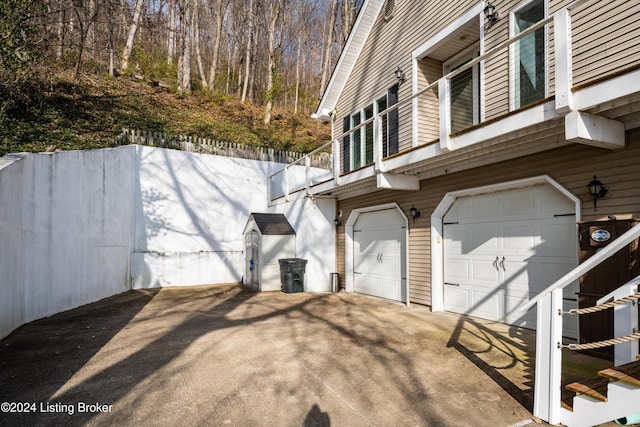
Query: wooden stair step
628	374
595	388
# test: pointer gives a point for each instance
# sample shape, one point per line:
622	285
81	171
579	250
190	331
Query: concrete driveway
224	355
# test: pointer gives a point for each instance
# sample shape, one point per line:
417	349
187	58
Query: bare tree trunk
128	47
247	65
298	54
226	89
196	36
171	44
326	60
91	32
184	47
349	12
220	11
84	25
61	25
274	15
111	41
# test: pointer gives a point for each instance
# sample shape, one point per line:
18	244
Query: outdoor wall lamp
337	221
415	213
596	190
491	13
400	75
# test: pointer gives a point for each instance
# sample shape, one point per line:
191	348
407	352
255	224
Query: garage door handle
502	264
452	284
495	264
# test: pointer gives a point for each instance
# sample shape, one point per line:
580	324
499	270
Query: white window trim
512	47
360	110
469	54
476	12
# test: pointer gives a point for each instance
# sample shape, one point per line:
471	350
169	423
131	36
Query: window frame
468	54
513	105
360	115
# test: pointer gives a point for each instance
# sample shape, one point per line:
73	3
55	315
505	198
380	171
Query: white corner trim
348	244
437	255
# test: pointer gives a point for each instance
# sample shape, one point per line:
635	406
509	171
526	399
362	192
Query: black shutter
346	153
392	99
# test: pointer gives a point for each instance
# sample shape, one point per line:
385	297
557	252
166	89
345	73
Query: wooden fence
209	146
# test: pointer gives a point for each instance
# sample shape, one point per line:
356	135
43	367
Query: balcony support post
377	143
547	397
444	95
307	173
335	154
563	62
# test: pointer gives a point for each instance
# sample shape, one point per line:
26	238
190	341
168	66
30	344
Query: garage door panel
514	317
484	207
457	299
535	243
483	239
379	246
487	303
557	239
458	268
519	238
482	271
518	203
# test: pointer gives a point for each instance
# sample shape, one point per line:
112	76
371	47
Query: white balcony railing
477	101
548	371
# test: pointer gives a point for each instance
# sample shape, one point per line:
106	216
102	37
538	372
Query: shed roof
272	224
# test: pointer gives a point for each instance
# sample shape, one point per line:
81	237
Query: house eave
353	47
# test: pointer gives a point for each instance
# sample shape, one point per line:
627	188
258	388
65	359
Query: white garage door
379	240
502	249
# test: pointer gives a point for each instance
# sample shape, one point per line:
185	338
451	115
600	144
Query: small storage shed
268	237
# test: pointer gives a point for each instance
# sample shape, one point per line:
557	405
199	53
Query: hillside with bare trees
272	57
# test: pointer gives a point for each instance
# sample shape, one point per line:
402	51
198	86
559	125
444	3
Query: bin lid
292	261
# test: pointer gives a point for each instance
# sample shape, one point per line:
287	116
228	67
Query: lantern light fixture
400	75
491	13
597	190
415	213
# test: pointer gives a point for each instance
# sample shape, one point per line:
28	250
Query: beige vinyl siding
572	166
430	70
389	46
606	39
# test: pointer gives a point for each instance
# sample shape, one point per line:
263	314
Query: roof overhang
348	57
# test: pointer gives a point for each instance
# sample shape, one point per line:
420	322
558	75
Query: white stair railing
548	372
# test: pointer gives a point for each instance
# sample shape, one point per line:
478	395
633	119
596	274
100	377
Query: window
357	149
528	55
465	90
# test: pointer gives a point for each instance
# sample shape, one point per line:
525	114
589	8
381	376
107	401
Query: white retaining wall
79	226
66	231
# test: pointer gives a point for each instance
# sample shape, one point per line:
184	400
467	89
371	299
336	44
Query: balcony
572	77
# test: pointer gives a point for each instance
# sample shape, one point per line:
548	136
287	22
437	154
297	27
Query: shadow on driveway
224	355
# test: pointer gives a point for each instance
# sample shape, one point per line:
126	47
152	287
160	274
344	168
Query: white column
563	55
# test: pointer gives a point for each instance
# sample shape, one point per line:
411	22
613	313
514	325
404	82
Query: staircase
614	394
